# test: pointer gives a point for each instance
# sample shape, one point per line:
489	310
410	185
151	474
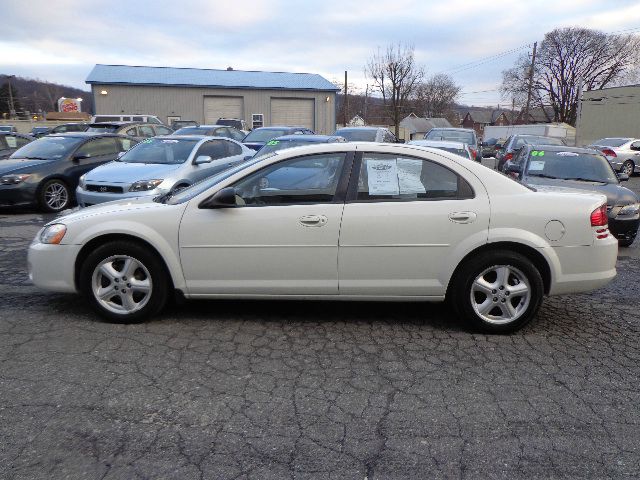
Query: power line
481	61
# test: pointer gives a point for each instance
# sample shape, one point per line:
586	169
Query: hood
122	172
616	194
109	208
16	165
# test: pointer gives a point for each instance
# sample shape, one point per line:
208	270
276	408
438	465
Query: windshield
103	128
160	150
199	187
275	145
611	142
570	165
6	128
265	135
192	131
452	136
47	148
458	151
357	135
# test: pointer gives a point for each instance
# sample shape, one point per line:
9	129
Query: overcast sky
61	41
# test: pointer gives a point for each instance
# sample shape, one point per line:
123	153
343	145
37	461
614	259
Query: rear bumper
584	268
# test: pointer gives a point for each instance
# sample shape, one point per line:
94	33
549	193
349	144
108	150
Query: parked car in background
178	124
291	141
463	135
390	222
623	153
212	131
10	142
160	165
560	167
491	146
8	128
259	136
70	127
136	130
37	132
516	142
236	123
144	118
461	149
45	172
367	134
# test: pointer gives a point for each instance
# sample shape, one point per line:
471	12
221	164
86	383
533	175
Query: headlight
13	179
82	181
631	209
53	233
143	185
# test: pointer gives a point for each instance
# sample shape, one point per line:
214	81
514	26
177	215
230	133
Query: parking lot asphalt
306	390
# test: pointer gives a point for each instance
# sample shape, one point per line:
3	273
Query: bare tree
395	75
569	59
436	96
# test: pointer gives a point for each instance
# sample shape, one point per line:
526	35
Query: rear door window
99	147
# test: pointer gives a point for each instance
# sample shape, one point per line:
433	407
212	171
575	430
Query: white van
126	118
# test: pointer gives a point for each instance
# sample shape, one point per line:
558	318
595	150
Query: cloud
48	39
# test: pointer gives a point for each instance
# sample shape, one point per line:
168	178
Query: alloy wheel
500	294
56	196
121	284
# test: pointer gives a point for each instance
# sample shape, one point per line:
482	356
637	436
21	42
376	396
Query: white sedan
344	221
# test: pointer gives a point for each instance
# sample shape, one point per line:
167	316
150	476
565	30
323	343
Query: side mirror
80	156
202	159
623	177
224	198
634	147
120	154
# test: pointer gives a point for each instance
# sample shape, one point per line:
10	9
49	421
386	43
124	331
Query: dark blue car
297	140
258	137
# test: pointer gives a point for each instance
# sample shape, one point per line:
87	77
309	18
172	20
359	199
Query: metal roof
195	77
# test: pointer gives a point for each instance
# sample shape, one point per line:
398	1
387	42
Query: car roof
361	128
277	127
13	134
310	138
438	143
206	126
120	123
87	135
454	129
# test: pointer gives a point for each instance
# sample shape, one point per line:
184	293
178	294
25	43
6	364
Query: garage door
293	111
222	107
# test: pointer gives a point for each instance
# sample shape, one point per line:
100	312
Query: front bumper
52	267
19	194
86	199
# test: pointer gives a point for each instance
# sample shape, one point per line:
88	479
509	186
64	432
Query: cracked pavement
306	390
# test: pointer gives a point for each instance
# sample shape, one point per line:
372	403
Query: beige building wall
188	102
611	112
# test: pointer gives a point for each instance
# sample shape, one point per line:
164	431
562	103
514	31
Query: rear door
403	221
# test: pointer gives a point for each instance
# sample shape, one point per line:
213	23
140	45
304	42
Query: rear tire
124	282
625	242
497	291
628	168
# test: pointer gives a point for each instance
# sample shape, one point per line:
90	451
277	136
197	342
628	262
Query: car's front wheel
124	282
497	292
54	196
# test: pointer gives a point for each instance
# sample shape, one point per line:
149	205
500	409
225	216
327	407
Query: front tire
54	196
497	291
124	282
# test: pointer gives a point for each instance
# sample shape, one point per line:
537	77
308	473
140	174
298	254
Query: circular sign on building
68	105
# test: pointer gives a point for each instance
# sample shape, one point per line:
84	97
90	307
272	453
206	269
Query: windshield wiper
36	158
542	175
581	179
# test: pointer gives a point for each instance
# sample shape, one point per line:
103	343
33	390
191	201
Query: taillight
508	156
599	216
474	152
608	152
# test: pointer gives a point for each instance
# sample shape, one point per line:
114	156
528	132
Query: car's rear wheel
54	196
124	282
627	168
497	292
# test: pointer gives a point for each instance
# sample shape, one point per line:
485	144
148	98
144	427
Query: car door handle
313	220
462	217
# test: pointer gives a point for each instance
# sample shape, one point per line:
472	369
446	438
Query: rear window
452	136
103	128
570	165
265	135
192	131
534	140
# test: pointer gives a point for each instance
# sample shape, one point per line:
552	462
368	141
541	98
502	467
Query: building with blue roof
205	95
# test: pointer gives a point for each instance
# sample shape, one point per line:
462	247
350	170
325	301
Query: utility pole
346	99
12	108
366	98
533	62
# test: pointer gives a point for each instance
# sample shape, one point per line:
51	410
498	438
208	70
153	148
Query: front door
95	152
280	239
403	220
